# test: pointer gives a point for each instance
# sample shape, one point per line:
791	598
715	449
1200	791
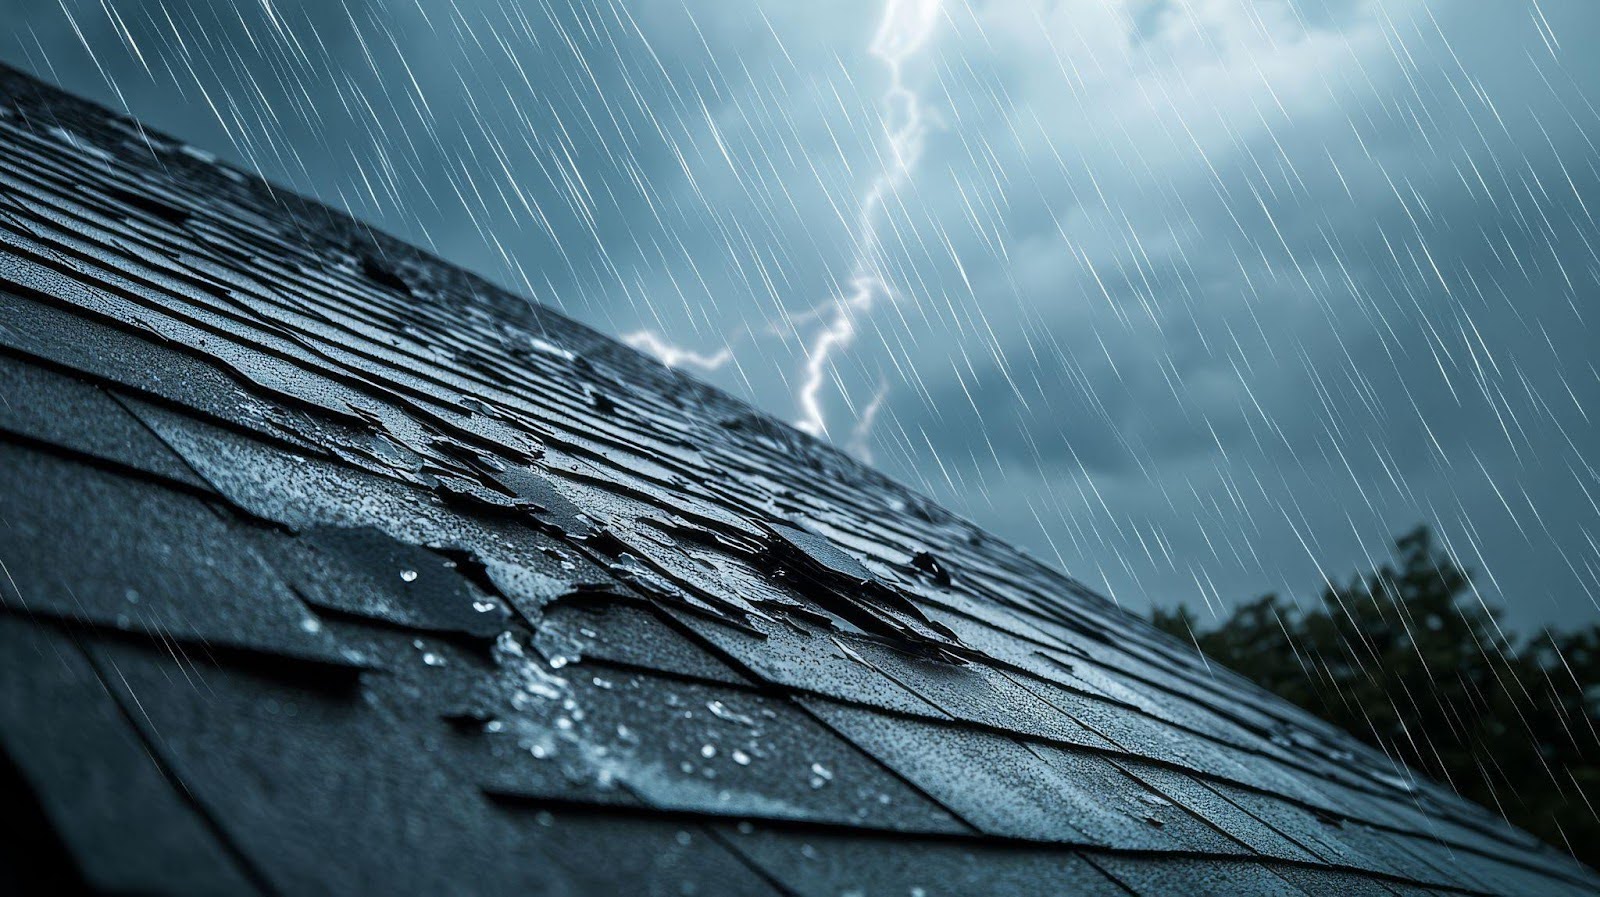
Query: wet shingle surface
332	568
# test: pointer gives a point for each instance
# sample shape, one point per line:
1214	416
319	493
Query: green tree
1409	659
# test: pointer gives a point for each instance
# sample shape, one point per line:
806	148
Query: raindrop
820	775
723	711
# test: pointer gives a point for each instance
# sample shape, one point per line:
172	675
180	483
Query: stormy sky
1197	298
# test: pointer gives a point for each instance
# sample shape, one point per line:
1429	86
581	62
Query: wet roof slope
331	567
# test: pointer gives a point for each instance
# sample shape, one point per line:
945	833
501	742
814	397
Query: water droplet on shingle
820	775
723	711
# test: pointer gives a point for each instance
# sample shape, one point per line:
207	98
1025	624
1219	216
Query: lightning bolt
905	27
673	356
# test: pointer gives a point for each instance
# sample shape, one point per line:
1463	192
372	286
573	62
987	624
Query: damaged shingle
364	571
842	585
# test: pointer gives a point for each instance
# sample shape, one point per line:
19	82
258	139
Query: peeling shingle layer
330	567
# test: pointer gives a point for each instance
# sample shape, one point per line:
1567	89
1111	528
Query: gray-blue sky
1199	297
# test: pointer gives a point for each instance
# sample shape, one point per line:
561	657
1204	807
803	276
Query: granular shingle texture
331	568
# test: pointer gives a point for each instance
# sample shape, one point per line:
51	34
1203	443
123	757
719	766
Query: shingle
1121	811
303	493
116	356
659	857
778	654
617	630
703	748
1345	884
825	864
977	693
86	545
39	404
101	791
367	572
1200	799
993	782
322	790
1195	877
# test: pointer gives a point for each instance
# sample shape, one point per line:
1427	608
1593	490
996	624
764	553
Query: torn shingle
366	572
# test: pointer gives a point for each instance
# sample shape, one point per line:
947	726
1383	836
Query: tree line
1409	659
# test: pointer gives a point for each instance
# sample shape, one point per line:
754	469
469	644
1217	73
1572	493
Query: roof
332	567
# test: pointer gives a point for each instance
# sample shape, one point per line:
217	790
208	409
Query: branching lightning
904	29
674	357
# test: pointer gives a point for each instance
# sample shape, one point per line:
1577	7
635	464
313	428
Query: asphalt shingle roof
329	567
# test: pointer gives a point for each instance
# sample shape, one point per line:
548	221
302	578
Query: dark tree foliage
1410	660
